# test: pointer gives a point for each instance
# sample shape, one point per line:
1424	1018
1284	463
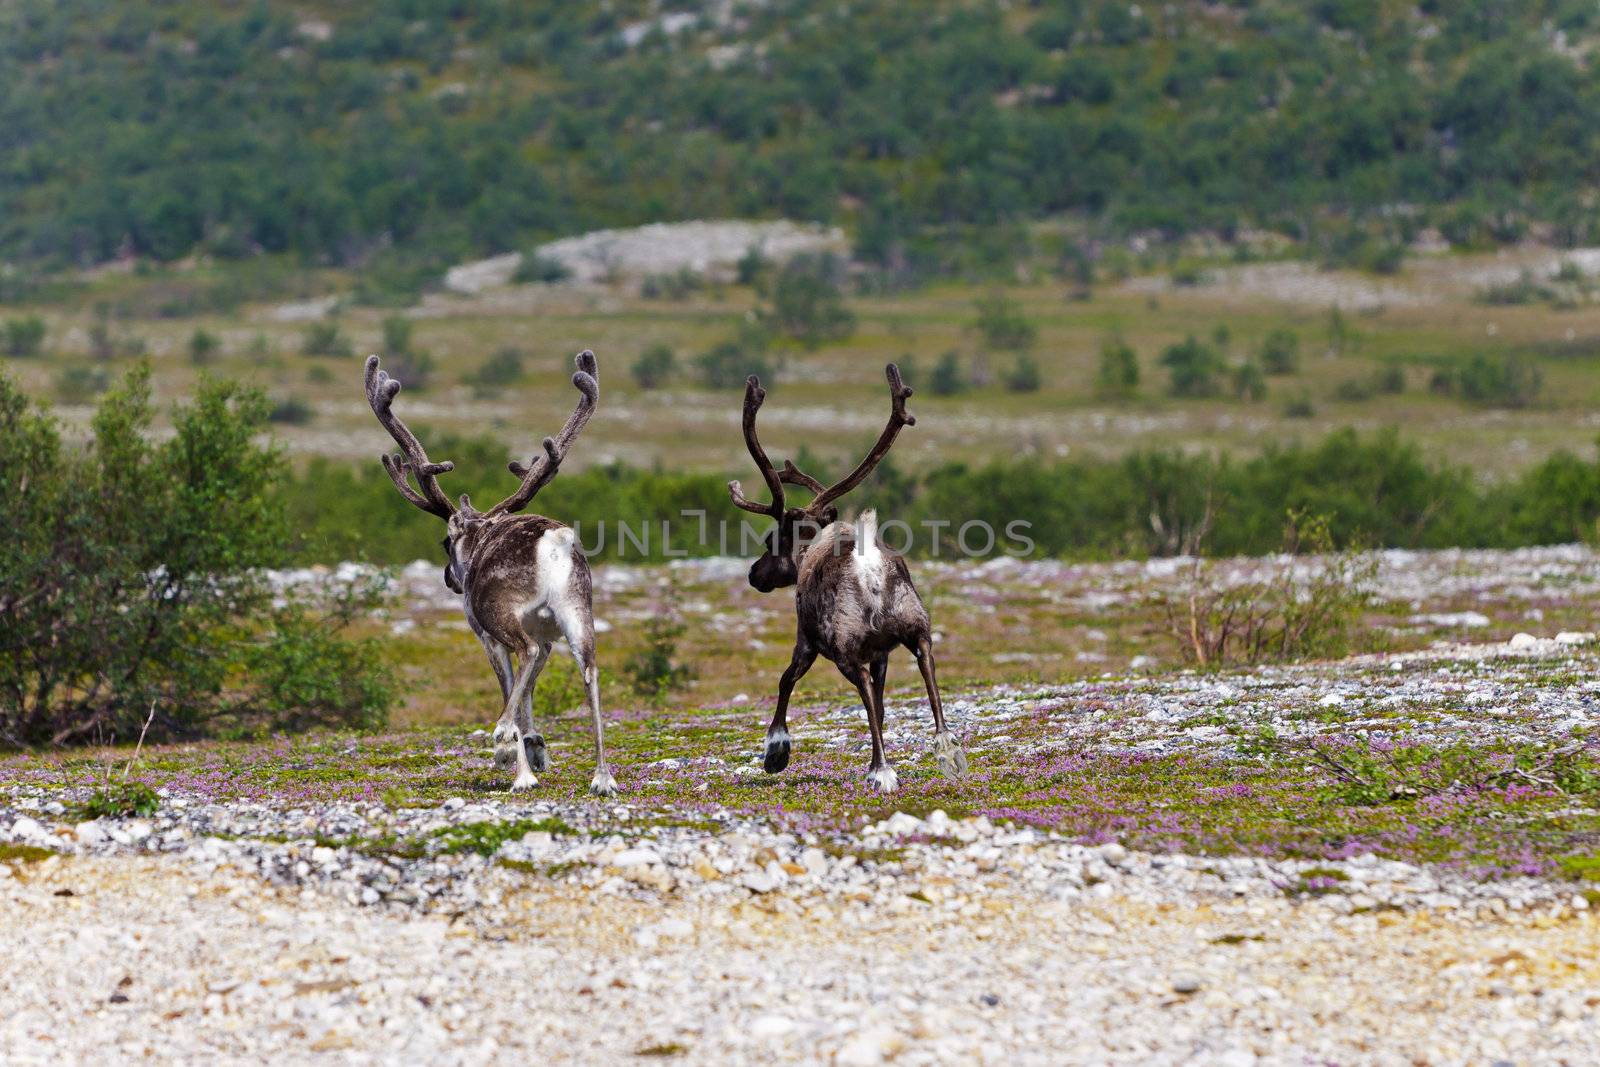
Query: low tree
807	302
132	582
654	366
1118	373
948	377
1195	368
23	338
1002	324
1280	352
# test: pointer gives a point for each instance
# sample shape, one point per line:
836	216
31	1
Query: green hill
408	134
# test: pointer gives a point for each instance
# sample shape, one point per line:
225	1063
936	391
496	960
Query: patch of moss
12	853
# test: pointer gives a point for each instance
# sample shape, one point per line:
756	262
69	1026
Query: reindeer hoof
524	783
538	758
884	780
602	784
505	757
947	751
778	749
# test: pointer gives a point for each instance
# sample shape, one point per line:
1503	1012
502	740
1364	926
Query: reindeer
854	598
524	580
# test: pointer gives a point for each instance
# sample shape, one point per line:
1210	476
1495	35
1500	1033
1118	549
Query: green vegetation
654	366
503	368
1118	374
119	801
129	589
410	136
22	338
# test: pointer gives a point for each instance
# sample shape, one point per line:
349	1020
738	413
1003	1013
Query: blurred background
1138	260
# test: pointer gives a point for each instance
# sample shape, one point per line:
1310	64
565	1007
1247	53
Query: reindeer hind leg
947	751
779	746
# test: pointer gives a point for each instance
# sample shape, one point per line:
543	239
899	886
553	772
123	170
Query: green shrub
1024	375
325	340
538	269
1510	381
729	362
654	367
501	369
132	580
948	378
1299	407
412	366
291	411
1249	383
1002	324
653	671
119	800
807	303
79	385
203	347
1280	352
23	338
1195	368
677	285
1118	373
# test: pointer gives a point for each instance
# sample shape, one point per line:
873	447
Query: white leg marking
884	780
947	752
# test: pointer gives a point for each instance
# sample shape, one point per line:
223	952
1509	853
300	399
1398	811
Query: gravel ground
224	933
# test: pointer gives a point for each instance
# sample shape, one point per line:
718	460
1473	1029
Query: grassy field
1429	316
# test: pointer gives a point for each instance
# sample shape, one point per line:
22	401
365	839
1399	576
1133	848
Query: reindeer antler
899	393
538	472
381	390
754	395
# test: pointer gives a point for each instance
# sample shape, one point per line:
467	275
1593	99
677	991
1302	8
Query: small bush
753	266
1299	407
728	364
1002	324
291	411
653	671
119	800
1195	368
1505	381
501	369
1024	375
678	285
807	303
203	347
412	366
79	385
538	269
325	340
1280	352
1303	609
1118	373
1249	383
23	338
654	367
948	378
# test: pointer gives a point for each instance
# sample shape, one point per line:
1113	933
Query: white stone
1523	640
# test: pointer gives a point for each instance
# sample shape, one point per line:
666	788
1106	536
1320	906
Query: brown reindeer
523	578
853	598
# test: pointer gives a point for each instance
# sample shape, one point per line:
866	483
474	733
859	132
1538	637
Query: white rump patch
869	558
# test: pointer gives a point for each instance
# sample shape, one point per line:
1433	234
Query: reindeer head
465	524
778	565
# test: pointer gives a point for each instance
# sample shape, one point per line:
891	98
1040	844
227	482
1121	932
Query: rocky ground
1386	859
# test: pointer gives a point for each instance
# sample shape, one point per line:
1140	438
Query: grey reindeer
523	578
854	598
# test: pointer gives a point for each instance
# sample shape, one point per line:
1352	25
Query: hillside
404	136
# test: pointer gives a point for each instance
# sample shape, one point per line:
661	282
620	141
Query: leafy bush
1299	407
79	385
291	411
1118	373
23	338
1024	375
1248	381
729	362
537	269
203	347
501	369
1195	368
119	800
677	285
411	365
1280	352
1510	381
948	378
807	302
654	367
1002	324
131	580
326	340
